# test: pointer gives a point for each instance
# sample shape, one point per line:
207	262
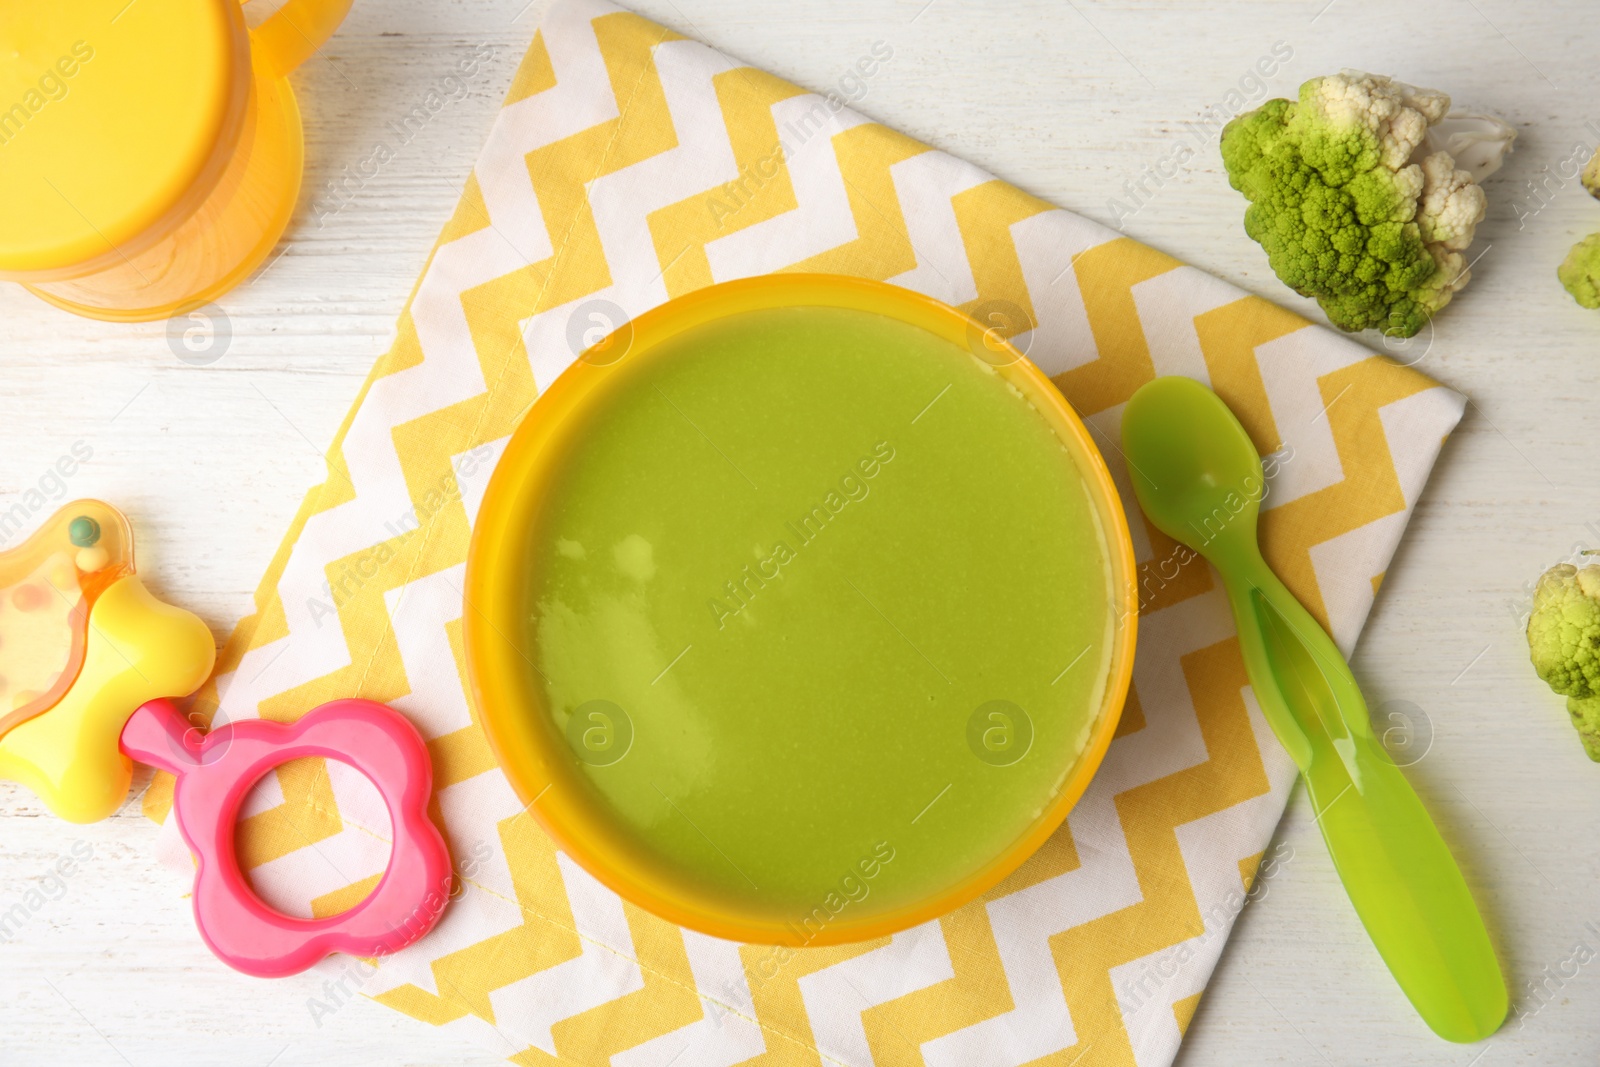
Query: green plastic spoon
1199	479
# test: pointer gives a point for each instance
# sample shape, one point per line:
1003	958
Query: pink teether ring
215	772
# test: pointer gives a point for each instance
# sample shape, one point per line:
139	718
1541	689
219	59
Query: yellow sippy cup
150	150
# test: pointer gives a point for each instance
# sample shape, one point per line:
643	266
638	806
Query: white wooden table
1068	101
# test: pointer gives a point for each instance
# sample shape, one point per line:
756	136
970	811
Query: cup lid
112	114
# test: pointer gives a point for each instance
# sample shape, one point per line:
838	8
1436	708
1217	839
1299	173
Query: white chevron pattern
836	997
527	1008
727	1034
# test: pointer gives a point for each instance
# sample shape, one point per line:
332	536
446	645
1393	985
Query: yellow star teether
83	644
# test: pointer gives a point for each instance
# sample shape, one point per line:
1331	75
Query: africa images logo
51	86
743	587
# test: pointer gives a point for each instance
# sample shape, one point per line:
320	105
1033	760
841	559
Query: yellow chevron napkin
630	165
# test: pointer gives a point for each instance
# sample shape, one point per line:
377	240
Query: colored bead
90	560
28	597
84	531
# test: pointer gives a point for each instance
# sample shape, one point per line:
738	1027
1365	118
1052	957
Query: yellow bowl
515	708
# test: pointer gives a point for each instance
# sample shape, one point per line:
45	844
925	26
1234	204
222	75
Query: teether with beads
87	658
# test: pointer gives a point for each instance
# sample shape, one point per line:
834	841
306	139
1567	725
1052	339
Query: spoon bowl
1194	468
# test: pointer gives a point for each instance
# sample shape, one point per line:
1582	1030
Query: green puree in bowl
829	603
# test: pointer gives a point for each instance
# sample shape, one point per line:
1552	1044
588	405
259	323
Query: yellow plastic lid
115	117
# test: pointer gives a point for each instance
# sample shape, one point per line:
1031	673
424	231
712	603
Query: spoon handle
1395	866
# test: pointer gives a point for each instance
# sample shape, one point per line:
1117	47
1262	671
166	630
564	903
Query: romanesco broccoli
1564	640
1580	272
1351	202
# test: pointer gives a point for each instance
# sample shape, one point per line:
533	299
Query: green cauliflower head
1591	175
1580	272
1349	203
1564	641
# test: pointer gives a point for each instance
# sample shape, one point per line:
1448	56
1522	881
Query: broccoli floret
1564	640
1350	202
1591	176
1580	272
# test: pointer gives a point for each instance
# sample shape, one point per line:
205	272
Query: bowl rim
550	788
